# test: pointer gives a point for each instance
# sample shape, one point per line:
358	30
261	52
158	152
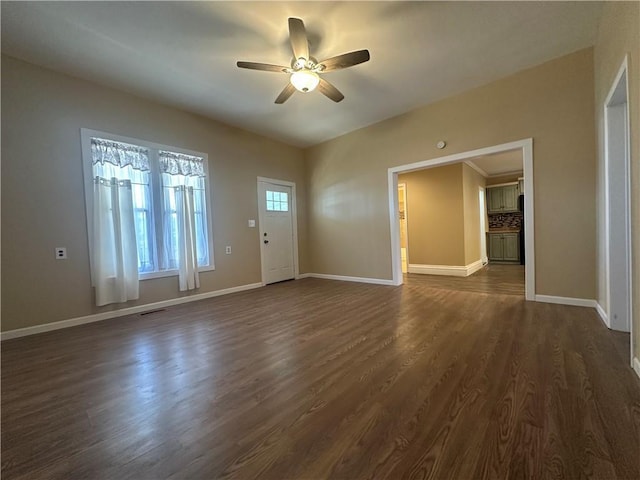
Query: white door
276	232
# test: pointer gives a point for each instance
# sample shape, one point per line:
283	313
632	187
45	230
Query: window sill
170	273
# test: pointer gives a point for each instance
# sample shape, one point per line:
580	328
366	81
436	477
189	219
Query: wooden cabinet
510	198
511	242
496	246
504	247
503	199
494	200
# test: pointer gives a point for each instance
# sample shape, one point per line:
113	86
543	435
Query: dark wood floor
324	379
492	278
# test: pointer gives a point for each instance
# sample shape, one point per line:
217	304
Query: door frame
526	146
294	223
628	251
482	199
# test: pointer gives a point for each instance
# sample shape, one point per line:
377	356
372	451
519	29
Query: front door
276	232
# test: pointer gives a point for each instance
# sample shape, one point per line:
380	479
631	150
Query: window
176	171
157	173
277	201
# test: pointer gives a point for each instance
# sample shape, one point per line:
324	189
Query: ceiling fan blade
263	66
298	37
285	94
345	60
330	91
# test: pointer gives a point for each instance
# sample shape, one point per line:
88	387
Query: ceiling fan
305	70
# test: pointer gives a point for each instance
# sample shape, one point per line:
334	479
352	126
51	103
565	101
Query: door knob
266	241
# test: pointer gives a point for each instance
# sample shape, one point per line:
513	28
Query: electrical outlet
227	250
61	253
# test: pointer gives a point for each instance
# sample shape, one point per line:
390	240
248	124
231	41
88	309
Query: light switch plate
252	223
227	249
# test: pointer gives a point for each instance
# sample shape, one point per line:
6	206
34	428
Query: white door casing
483	226
618	206
526	147
277	222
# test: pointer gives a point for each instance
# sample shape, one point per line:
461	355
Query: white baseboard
603	315
576	302
376	281
302	275
474	267
97	317
450	270
636	365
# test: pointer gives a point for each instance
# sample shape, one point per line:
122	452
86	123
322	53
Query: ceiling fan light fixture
305	69
304	80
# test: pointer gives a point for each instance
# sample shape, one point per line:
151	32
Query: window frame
156	194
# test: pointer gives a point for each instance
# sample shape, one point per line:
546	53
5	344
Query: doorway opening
402	215
618	205
278	232
525	147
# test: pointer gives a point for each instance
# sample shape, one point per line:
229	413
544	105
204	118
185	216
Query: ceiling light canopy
304	80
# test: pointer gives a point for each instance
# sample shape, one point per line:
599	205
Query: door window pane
277	201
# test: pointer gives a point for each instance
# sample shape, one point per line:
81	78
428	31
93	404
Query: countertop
504	230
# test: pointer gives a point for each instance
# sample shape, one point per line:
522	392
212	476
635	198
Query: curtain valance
119	154
181	164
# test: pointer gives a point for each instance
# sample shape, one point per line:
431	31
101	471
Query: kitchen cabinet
504	247
503	199
494	199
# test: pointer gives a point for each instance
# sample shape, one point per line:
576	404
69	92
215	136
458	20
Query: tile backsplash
505	220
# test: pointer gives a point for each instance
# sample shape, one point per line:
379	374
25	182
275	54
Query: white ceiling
184	53
498	164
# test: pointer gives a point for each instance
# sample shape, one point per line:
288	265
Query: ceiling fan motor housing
306	64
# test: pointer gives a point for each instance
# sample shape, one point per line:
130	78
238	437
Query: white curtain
188	276
184	228
118	154
171	232
115	257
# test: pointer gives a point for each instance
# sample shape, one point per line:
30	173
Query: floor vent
150	312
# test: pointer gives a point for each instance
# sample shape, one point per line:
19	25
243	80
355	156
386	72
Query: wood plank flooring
492	278
323	379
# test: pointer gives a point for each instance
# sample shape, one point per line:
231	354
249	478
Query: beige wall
43	196
435	216
471	183
618	35
553	103
443	215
